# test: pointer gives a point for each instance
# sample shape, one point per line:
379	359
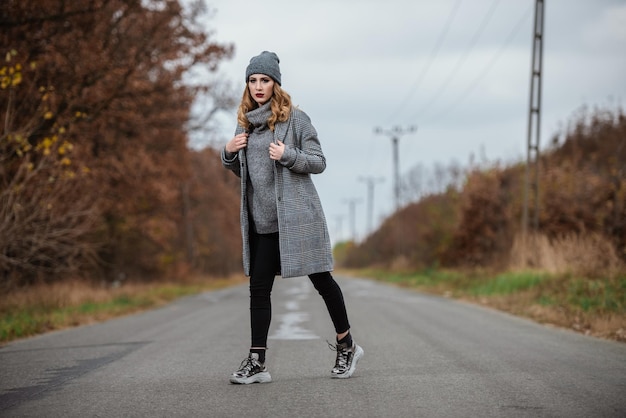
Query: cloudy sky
458	70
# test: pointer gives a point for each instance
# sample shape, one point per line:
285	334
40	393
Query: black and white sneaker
251	371
347	359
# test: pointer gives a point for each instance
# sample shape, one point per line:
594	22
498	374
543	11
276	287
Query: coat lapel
281	130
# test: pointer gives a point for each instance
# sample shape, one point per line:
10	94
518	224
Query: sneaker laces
247	365
342	355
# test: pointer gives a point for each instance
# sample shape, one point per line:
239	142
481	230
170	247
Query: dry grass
32	310
61	295
587	304
601	324
574	255
587	255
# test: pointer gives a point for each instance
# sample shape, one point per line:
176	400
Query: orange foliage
583	187
582	202
488	219
215	216
416	236
95	127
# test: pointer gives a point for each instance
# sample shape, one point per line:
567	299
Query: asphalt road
424	357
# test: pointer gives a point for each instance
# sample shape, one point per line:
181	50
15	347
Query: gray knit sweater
261	190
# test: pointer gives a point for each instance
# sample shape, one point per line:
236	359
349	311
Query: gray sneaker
347	359
251	371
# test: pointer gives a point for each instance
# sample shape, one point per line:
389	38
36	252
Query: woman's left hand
277	150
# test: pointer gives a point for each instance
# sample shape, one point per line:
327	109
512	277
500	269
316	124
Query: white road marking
290	323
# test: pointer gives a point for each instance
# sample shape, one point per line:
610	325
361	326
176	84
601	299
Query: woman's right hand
238	142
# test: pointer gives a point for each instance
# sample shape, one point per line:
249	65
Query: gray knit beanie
264	63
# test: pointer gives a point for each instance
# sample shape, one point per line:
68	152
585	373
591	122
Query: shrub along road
424	356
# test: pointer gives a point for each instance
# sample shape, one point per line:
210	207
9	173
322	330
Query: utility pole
352	207
395	134
534	124
339	219
371	182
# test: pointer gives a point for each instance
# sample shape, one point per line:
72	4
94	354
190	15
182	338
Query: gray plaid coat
303	233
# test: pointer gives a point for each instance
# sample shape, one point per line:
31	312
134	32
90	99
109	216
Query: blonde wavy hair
280	105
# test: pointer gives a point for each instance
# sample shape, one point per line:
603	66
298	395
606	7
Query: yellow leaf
17	79
48	115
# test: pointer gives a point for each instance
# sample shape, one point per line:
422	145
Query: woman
274	151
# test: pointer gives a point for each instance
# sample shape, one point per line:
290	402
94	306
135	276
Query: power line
433	55
487	68
461	61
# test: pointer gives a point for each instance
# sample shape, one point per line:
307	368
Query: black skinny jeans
265	263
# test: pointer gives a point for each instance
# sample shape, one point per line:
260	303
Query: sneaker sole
263	377
348	373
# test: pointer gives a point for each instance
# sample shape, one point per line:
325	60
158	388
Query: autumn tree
44	219
215	239
101	119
